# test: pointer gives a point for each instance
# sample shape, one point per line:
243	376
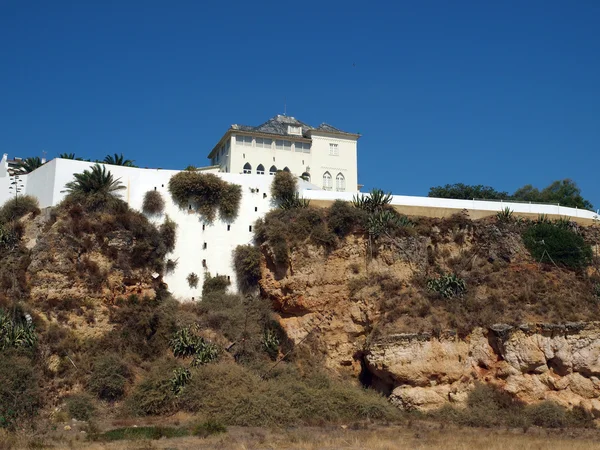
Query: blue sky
496	93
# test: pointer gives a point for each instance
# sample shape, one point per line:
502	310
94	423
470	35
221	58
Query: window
264	143
334	150
244	140
256	209
272	170
204	246
228	227
285	169
203	227
247	168
294	130
305	176
340	182
283	145
327	181
249	227
260	170
302	147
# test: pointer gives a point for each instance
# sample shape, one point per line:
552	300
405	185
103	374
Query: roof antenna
284	107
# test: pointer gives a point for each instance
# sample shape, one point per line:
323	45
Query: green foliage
192	280
270	343
10	235
343	218
187	343
246	261
376	201
20	395
171	265
168	233
154	395
564	223
153	203
181	376
207	193
465	192
16	331
209	428
284	186
562	245
17	207
447	285
81	406
564	192
295	201
216	284
505	215
386	220
109	376
30	164
135	433
94	188
69	156
118	160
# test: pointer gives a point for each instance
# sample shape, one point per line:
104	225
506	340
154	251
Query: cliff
523	326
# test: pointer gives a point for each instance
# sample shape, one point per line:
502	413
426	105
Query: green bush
207	193
209	428
154	395
16	331
20	395
186	342
343	218
109	377
181	376
548	242
447	285
153	203
246	261
284	186
377	200
218	283
81	406
548	414
17	207
168	233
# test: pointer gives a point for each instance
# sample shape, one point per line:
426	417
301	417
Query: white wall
346	163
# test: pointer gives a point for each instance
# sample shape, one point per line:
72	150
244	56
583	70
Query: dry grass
409	436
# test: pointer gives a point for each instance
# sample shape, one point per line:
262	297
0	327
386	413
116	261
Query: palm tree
69	156
97	181
30	164
118	160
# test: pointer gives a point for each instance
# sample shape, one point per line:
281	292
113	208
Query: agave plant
543	218
184	343
375	201
181	376
448	285
384	220
206	353
270	343
563	222
294	202
16	332
505	215
95	181
30	164
118	160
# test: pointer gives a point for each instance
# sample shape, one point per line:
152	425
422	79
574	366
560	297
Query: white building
325	155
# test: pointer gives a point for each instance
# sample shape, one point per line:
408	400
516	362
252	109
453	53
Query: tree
118	160
467	192
284	186
69	156
97	181
30	164
567	193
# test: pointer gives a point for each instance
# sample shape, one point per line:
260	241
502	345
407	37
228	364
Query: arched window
340	182
305	176
260	170
285	169
272	170
247	168
327	181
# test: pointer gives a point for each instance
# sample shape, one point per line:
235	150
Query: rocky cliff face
532	362
373	318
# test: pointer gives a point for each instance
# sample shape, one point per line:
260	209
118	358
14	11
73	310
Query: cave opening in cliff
370	380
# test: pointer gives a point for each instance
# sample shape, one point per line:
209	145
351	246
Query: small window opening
228	278
162	185
204	246
264	195
250	228
190	207
256	209
204	263
228	227
203	227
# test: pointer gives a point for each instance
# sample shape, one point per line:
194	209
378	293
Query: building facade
325	156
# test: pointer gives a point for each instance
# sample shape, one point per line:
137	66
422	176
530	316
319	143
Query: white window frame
340	182
303	147
260	172
295	130
283	144
248	170
327	181
334	150
243	140
261	143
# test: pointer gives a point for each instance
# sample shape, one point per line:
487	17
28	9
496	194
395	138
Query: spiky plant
69	156
30	164
377	200
384	220
448	285
16	332
98	181
118	160
505	215
181	376
294	202
564	222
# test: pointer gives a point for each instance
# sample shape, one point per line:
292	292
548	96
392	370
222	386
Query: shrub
505	215
20	395
218	283
246	261
548	414
448	285
209	428
16	331
109	376
343	218
171	265
377	200
192	280
17	207
168	233
152	397
186	343
181	376
207	192
284	186
153	203
134	433
81	406
563	246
